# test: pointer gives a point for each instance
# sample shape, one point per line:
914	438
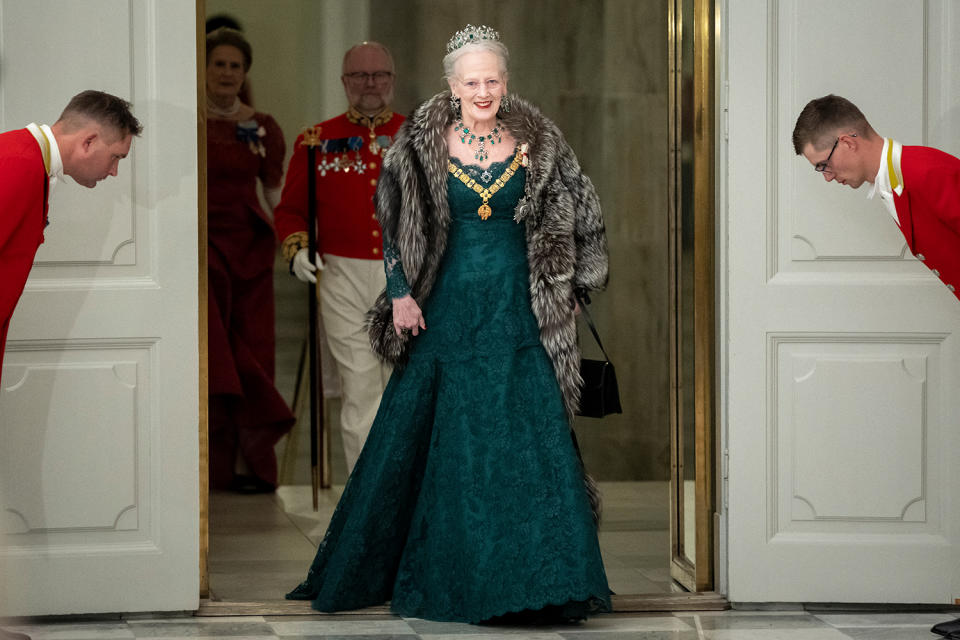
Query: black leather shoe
249	485
949	630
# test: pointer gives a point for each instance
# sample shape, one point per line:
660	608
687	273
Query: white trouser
348	288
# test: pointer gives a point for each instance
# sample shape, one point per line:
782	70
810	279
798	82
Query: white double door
98	406
840	351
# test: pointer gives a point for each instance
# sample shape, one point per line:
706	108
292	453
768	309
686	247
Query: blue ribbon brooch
251	132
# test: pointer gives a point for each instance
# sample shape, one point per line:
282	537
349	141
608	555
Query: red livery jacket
928	208
348	165
24	185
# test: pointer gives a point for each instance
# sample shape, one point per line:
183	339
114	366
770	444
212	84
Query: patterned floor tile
334	617
824	633
528	634
354	637
598	625
635	624
269	637
74	631
429	627
202	628
746	621
631	635
785	624
890	633
884	619
327	628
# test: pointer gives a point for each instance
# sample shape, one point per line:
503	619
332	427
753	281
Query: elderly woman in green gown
469	501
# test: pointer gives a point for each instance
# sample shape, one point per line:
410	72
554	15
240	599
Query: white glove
302	268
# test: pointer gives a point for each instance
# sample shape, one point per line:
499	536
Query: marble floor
727	625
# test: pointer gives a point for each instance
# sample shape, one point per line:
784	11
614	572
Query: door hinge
724	478
725	109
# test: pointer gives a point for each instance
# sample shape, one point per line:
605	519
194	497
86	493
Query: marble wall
599	69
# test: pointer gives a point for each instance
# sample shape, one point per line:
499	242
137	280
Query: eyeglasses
822	166
361	77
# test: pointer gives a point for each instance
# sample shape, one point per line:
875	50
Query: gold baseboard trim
666	602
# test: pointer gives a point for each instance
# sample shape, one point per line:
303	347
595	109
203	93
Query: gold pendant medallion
484	211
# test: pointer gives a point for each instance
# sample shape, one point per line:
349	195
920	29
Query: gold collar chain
354	116
371	122
486	193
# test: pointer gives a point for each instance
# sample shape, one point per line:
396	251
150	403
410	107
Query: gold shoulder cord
45	150
486	193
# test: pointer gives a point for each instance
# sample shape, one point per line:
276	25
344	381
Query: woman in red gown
247	414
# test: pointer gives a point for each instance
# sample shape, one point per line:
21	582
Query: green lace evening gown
467	502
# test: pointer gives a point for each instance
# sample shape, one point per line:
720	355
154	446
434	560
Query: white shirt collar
881	184
44	135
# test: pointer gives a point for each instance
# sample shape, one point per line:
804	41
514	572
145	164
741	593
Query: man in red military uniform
350	250
920	186
87	142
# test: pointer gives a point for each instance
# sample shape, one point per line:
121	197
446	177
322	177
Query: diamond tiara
471	34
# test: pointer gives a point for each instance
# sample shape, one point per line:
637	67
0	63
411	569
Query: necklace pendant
481	154
486	176
484	211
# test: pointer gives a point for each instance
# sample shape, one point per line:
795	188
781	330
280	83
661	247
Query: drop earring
455	106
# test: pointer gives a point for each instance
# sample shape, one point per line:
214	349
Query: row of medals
342	161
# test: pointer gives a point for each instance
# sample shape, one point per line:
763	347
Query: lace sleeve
397	286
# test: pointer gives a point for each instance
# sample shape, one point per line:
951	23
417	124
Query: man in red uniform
920	186
87	142
350	247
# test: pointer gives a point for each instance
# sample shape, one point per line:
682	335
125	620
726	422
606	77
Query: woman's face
479	85
225	74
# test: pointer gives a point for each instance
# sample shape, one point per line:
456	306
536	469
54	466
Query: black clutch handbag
600	394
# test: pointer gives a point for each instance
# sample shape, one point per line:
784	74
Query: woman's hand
407	315
578	294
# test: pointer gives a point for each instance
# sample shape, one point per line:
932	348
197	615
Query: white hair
493	46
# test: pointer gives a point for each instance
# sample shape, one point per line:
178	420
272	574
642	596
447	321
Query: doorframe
702	574
697	574
705	279
202	306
